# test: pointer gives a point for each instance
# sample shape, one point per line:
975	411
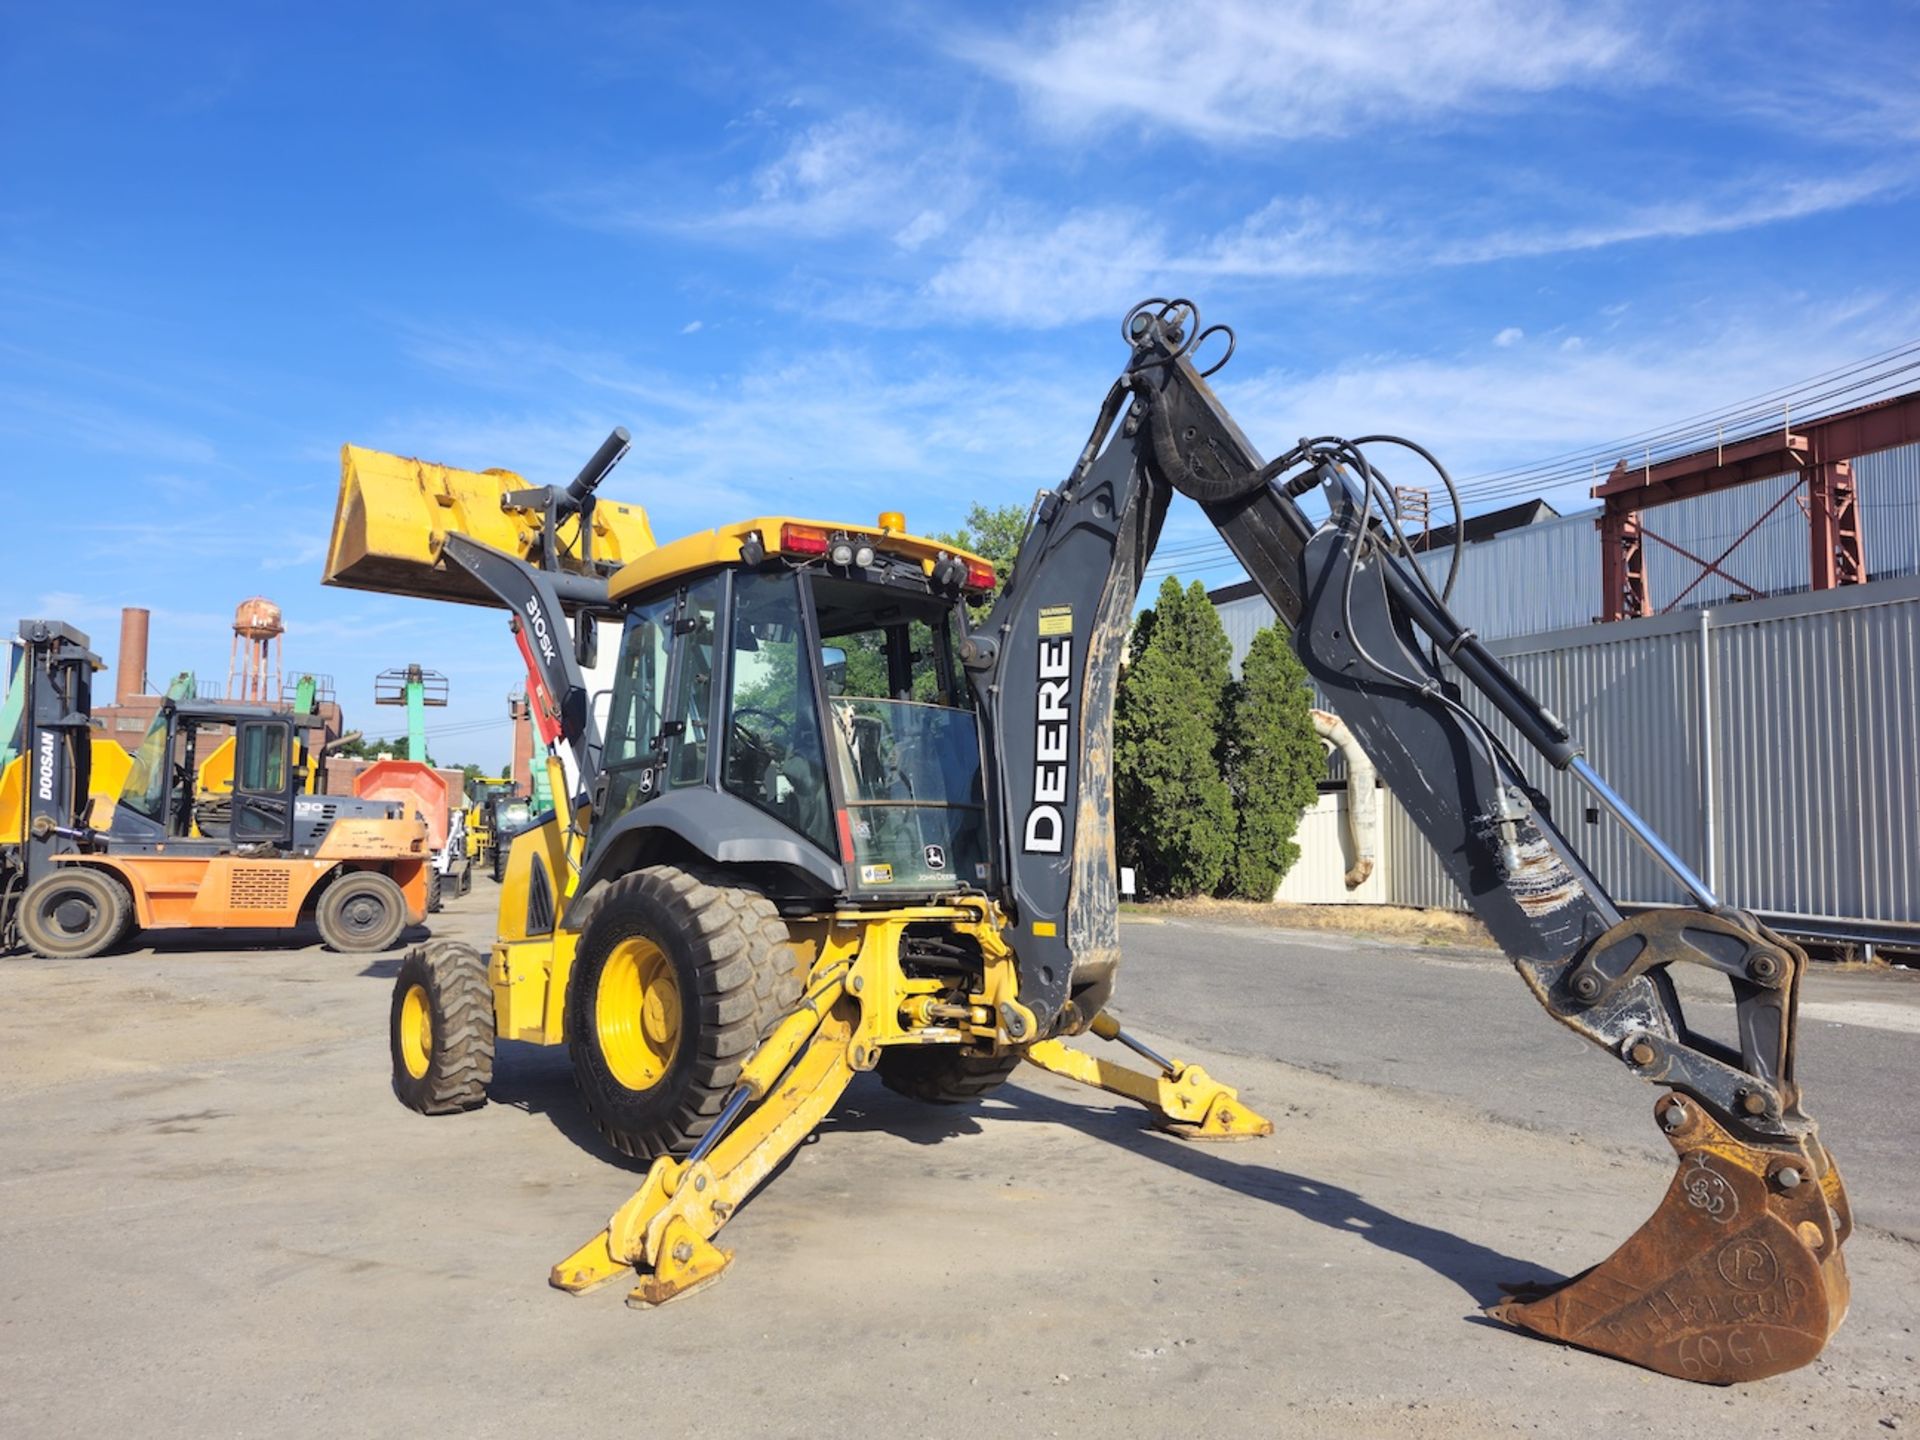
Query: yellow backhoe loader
834	826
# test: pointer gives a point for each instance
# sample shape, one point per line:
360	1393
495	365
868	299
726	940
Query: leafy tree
1174	810
372	748
993	532
1273	763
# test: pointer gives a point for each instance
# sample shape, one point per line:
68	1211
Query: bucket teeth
1738	1275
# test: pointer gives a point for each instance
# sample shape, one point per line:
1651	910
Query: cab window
693	689
263	759
775	758
634	713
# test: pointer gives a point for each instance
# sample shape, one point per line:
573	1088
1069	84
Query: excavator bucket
1737	1276
394	515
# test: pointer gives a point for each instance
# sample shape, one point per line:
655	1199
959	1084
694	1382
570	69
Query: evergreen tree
1174	812
1273	761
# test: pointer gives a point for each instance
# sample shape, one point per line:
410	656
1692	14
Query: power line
1881	376
1701	423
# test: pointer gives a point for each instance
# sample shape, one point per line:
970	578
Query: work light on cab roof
844	549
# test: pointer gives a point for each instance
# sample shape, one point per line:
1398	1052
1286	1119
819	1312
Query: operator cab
163	800
821	685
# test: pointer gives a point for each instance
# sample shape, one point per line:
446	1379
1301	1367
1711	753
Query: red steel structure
1814	456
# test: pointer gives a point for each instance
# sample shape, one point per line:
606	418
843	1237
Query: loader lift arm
537	597
1738	1274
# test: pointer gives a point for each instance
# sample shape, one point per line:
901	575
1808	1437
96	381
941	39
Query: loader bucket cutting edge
1737	1276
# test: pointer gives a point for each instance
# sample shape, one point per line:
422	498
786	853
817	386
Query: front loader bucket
1737	1276
394	515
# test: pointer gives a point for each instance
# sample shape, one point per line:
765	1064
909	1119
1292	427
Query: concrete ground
216	1220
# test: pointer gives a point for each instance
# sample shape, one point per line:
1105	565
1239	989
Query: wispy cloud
819	430
1029	268
859	172
1249	70
1755	202
102	428
1491	407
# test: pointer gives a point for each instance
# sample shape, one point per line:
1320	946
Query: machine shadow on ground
304	936
1481	1272
538	1081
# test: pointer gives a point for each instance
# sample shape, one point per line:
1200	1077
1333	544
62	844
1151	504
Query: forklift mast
56	680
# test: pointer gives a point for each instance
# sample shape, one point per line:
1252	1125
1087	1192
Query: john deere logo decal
936	858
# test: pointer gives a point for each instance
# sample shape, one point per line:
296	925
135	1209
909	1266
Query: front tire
677	979
433	891
440	1029
74	913
362	911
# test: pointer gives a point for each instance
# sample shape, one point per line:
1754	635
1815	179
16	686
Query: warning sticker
1056	619
876	874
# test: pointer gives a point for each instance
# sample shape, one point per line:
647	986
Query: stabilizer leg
668	1225
1184	1099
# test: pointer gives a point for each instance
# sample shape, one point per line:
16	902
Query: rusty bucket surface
1737	1276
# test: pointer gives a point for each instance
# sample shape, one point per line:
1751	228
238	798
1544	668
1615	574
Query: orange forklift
273	856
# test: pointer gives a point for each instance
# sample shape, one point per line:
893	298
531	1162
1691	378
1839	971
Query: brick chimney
132	678
522	771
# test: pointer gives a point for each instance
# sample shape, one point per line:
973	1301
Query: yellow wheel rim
636	1009
416	1031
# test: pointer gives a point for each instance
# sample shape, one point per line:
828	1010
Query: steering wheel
772	745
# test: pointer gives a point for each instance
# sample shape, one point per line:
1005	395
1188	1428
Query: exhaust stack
131	682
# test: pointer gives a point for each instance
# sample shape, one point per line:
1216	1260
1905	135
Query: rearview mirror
833	668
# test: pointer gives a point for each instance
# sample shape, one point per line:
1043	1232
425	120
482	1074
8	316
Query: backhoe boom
1371	630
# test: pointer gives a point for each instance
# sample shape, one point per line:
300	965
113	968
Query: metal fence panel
1800	752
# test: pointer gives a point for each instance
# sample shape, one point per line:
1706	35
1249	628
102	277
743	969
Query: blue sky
845	257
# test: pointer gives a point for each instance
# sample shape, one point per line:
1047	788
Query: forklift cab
828	696
159	801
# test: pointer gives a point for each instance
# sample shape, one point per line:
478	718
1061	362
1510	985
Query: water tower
253	666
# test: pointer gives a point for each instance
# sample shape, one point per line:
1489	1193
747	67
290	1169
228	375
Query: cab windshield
151	777
911	773
906	742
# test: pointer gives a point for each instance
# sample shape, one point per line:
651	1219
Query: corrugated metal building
1775	743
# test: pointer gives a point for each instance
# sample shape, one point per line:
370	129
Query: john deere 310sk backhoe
834	827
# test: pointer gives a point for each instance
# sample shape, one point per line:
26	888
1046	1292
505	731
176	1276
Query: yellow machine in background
108	775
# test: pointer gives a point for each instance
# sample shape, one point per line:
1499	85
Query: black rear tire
74	913
943	1075
440	1029
433	891
361	912
733	976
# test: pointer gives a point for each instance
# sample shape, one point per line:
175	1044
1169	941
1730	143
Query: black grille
539	901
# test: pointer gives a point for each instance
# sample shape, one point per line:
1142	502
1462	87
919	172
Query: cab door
660	713
263	783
